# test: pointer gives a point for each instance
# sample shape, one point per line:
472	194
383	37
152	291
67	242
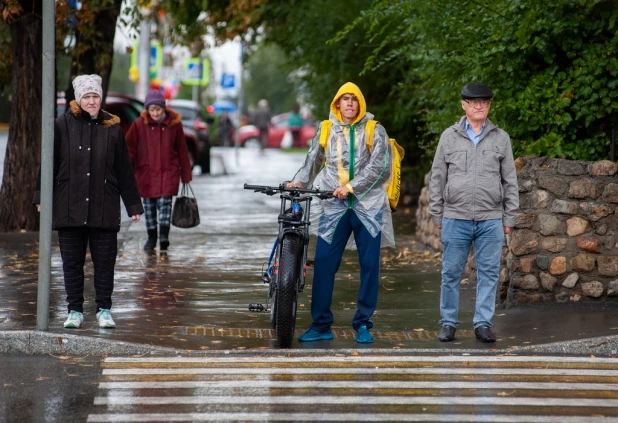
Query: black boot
164	242
151	243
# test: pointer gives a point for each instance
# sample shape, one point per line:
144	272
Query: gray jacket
474	182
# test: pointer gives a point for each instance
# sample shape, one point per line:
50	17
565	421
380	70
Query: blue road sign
198	71
227	80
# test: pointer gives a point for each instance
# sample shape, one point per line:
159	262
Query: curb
31	342
602	346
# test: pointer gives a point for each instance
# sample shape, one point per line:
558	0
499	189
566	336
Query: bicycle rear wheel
273	309
287	294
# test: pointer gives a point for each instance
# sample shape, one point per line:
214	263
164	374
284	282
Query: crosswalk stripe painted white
360	371
343	417
311	384
362	359
133	387
360	400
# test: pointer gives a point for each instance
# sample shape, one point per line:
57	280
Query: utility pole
240	102
143	62
48	104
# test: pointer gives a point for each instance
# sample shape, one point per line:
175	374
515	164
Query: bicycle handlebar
268	190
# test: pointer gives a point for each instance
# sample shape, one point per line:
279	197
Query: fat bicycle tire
287	288
273	310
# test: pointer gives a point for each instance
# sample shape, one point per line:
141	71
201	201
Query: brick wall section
565	243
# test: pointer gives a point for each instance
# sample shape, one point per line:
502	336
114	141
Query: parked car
195	117
250	134
129	108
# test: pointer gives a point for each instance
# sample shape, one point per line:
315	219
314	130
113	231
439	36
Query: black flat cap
476	90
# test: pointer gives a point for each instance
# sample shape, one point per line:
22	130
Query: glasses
476	103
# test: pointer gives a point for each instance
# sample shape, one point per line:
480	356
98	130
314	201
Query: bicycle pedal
256	307
310	263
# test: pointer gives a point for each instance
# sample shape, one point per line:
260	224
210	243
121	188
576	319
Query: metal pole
48	103
195	94
240	105
143	62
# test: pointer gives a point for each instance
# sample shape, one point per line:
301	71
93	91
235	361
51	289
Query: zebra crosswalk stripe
358	388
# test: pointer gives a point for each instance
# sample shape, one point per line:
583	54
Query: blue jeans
457	238
327	261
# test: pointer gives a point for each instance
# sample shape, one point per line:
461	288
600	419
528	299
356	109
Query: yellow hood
349	88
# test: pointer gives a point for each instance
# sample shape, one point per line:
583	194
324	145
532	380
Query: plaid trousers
103	249
163	205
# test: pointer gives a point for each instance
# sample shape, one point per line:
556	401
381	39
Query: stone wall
426	231
565	243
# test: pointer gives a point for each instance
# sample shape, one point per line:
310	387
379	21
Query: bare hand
38	208
439	226
507	230
341	193
294	184
135	218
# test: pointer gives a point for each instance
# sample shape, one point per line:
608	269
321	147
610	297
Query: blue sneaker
363	336
314	335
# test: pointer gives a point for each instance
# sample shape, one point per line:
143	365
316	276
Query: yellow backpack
393	191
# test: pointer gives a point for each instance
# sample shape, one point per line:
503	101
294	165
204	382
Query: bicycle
285	275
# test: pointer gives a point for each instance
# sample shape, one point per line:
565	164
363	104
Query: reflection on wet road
358	388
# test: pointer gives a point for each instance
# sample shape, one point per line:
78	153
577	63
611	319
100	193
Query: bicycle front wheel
287	294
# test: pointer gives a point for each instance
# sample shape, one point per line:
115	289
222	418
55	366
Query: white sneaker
75	320
105	319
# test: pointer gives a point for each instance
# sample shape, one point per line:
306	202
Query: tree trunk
97	50
21	162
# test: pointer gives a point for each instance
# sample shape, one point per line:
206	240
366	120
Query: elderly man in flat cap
473	200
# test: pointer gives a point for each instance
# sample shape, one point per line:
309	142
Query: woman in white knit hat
92	171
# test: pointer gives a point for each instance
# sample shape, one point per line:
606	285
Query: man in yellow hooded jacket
357	176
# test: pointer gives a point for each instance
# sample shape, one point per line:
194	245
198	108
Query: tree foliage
92	28
267	75
306	31
553	66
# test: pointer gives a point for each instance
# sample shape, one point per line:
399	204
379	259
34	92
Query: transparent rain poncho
328	170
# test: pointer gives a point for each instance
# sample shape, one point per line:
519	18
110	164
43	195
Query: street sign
167	73
198	71
156	58
227	80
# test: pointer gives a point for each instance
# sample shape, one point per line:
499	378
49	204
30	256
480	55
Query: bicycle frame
286	252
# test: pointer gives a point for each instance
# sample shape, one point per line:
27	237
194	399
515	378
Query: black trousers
103	249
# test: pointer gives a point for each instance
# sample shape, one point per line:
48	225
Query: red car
128	108
250	134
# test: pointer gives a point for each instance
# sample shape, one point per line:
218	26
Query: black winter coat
92	170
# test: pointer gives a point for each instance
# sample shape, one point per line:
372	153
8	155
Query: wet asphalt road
47	388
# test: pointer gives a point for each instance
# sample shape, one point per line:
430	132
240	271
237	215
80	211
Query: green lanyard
352	157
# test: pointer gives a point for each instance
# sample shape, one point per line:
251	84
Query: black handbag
185	213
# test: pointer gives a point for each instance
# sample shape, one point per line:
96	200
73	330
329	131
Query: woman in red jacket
160	159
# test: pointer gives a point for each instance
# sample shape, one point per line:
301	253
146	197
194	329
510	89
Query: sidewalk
194	299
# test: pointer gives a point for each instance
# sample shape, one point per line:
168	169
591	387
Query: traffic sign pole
144	59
